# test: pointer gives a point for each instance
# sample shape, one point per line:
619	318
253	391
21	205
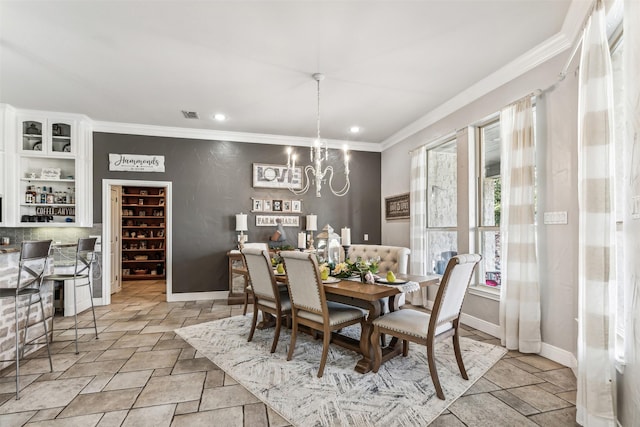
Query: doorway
111	232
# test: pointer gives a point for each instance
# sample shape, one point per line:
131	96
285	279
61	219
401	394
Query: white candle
302	240
345	234
312	222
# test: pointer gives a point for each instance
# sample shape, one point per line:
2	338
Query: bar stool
82	270
31	268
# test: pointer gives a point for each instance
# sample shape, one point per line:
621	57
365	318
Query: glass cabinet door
32	137
61	138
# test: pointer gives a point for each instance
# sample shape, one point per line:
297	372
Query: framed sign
270	220
50	173
135	163
397	207
276	176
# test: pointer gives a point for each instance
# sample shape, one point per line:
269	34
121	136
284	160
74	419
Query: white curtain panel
418	222
632	154
596	156
520	290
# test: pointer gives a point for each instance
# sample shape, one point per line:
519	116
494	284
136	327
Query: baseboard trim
197	296
559	355
549	351
481	325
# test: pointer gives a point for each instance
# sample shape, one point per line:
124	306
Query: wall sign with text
397	207
276	176
270	220
277	205
136	163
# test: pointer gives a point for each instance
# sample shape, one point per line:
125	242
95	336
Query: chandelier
319	153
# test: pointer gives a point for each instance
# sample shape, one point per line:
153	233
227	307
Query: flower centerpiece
343	270
360	267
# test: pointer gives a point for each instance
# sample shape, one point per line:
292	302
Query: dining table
371	298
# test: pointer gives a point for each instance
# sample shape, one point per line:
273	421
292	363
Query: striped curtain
418	224
596	271
520	290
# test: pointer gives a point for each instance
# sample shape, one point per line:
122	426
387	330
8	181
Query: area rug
400	394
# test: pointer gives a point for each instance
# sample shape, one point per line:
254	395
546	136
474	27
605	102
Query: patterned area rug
400	394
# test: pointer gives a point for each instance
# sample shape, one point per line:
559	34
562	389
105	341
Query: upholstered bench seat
392	258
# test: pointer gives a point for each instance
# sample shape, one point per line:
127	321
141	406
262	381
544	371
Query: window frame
479	287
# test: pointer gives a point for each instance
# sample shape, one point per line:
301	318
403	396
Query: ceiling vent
190	114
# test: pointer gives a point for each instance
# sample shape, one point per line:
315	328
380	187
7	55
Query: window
489	207
442	204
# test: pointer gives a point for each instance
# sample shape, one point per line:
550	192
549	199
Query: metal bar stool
31	268
85	256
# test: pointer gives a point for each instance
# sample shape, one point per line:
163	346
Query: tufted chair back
394	258
303	277
453	289
258	265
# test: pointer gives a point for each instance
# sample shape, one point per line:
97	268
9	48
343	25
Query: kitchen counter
9	249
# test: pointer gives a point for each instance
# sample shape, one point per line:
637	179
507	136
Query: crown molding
217	135
536	56
573	23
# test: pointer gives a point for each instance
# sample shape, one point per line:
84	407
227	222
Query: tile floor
139	373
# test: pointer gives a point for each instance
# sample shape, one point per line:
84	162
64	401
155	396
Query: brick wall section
8	278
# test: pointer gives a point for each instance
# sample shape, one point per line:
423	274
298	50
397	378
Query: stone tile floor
139	373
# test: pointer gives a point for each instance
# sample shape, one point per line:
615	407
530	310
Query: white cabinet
55	136
49	171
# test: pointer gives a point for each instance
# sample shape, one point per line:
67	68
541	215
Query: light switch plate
366	237
635	209
555	217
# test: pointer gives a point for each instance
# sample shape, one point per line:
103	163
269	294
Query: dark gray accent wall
212	181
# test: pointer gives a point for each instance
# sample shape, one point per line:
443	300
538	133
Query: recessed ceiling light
354	129
220	117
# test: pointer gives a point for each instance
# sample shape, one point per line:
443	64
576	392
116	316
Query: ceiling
387	64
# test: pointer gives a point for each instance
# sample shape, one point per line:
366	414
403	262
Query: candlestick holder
346	252
311	248
242	238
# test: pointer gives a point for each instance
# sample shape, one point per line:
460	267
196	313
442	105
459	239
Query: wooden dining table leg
365	364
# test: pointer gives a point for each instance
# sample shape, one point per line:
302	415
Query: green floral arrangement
343	270
276	259
359	267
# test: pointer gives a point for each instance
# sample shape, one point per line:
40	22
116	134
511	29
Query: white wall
558	243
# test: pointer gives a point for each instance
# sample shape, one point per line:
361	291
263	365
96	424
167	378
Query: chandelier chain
318	173
318	115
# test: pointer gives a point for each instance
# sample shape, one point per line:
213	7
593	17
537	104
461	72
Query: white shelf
35	205
47	180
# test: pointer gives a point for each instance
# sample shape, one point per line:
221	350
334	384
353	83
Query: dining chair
31	268
309	303
85	256
427	329
267	297
247	283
